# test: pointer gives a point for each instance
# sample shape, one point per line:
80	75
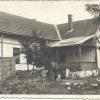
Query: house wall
73	60
13	42
88	58
8	44
88	54
72	54
98	54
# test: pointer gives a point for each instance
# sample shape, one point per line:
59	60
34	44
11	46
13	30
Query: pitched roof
71	41
80	28
46	30
12	24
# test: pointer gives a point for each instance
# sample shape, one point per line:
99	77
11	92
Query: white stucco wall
8	45
98	58
23	59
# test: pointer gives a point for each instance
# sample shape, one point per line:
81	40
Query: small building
79	49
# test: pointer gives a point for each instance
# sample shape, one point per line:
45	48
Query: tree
35	50
94	9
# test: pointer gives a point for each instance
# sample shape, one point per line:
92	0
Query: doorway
16	55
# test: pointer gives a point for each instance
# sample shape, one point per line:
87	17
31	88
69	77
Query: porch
76	54
76	57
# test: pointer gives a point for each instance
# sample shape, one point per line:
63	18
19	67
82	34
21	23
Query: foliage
35	50
21	83
94	9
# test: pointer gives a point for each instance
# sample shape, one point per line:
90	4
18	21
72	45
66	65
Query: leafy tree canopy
94	9
35	49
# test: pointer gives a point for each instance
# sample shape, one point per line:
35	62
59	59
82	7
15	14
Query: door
16	55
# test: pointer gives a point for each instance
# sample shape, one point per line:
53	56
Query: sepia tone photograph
50	47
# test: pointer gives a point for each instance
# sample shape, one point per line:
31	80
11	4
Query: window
16	55
75	53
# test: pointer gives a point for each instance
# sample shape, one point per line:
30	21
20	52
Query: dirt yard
22	83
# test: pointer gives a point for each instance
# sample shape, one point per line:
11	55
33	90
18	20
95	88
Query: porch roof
71	41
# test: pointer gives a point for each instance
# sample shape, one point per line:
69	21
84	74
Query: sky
54	12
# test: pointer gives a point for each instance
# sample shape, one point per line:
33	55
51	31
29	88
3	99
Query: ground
22	83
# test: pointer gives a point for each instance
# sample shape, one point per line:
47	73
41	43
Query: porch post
2	55
80	52
57	54
56	65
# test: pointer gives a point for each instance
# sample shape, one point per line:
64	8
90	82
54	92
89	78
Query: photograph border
47	96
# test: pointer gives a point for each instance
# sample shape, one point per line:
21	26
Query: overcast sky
47	11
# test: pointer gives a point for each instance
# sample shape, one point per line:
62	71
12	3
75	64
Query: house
79	49
74	45
15	28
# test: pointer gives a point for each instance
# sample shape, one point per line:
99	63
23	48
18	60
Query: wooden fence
7	67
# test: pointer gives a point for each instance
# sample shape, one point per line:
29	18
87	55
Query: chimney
70	22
